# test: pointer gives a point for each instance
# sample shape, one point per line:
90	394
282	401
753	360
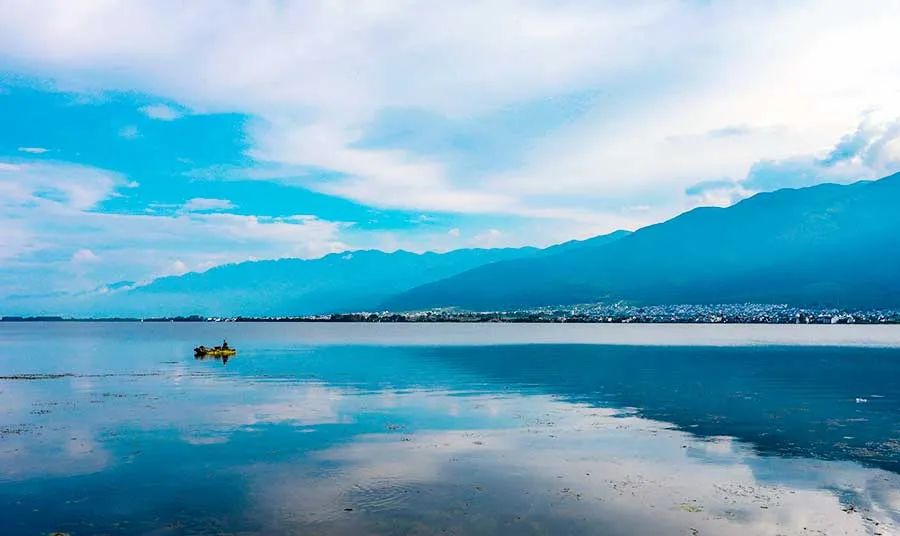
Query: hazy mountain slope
824	245
354	281
588	243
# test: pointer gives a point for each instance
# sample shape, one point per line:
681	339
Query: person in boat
224	344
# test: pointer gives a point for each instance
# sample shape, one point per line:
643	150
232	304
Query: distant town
617	313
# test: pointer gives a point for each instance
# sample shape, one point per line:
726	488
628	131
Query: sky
148	138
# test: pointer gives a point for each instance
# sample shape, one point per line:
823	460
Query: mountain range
826	245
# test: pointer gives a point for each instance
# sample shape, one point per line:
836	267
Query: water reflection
201	356
831	403
555	439
574	470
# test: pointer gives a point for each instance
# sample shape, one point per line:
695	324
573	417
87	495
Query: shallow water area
115	428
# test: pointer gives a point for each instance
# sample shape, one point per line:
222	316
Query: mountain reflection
828	403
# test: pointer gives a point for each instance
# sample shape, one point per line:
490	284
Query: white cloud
339	56
129	132
687	92
204	204
488	239
161	112
870	152
15	240
33	150
67	186
178	267
792	92
49	209
84	255
390	179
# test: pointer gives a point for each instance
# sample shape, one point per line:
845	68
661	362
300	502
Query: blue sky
144	139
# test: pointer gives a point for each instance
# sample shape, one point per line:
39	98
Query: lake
115	428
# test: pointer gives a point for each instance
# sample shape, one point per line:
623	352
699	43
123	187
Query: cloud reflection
570	465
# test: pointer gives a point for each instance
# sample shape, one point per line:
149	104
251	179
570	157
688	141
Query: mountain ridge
348	281
352	280
767	249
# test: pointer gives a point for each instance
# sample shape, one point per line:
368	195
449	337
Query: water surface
449	429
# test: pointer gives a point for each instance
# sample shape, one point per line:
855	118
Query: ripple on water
378	495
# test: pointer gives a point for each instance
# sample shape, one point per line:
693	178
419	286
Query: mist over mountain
826	245
351	281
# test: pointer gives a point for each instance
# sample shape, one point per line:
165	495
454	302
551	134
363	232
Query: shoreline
356	320
585	313
436	334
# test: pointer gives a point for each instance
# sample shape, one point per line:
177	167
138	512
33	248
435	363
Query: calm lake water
115	428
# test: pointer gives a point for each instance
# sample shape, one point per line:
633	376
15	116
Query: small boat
215	351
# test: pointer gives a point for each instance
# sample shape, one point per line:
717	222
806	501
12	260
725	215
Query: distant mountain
834	245
827	245
341	282
352	281
586	244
